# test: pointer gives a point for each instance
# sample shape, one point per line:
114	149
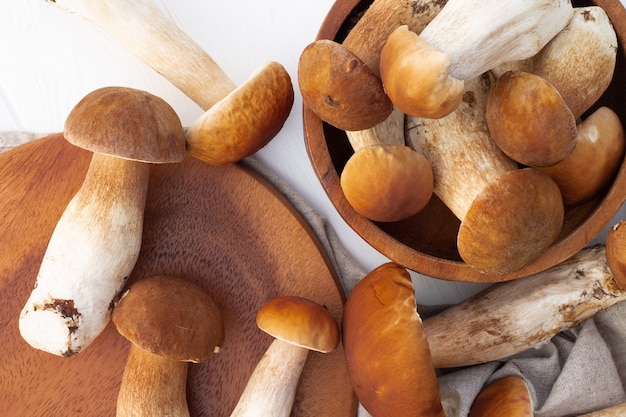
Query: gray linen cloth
578	371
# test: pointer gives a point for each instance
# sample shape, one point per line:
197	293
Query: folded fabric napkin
578	371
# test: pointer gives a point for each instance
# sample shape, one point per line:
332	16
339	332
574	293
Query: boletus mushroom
388	357
96	242
507	396
298	325
253	114
170	322
423	72
617	410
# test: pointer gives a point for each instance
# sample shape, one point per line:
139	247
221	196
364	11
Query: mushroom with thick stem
507	396
389	360
298	325
170	322
592	165
97	240
617	410
509	216
142	29
463	41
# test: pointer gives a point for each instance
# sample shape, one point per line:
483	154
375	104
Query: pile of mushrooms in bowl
508	163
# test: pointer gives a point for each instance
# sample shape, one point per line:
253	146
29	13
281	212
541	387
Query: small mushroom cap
529	120
593	163
245	120
508	396
299	321
171	317
340	88
415	76
511	222
387	182
388	357
126	123
616	252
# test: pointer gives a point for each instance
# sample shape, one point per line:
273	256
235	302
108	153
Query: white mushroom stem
152	385
617	410
143	30
271	389
91	253
511	317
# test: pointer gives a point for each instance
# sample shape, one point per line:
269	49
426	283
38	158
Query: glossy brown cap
529	120
340	88
299	321
595	160
389	361
511	222
127	123
171	317
508	396
245	120
415	76
387	182
616	252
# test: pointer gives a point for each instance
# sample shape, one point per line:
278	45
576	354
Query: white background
49	60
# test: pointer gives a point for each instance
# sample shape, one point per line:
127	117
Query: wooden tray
225	229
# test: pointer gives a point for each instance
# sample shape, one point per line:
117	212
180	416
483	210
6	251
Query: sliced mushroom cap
299	321
340	88
171	317
410	67
529	120
387	182
507	396
245	120
99	119
592	165
511	222
389	361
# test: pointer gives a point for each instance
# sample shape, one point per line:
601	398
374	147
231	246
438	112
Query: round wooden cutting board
225	229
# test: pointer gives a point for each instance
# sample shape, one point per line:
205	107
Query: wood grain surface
224	229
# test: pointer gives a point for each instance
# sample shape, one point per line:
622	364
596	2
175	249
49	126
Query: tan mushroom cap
126	123
529	120
511	222
415	76
388	357
387	182
340	88
171	317
508	396
245	120
616	252
592	165
299	321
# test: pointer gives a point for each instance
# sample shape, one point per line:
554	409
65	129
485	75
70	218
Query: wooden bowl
426	242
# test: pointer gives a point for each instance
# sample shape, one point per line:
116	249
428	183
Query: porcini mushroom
142	29
388	357
96	242
529	120
298	326
474	37
510	317
617	410
507	396
169	322
593	163
509	216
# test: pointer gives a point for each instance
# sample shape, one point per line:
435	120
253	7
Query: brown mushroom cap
387	182
126	123
529	120
508	396
245	120
593	163
415	76
299	321
511	222
171	317
616	252
340	88
389	361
